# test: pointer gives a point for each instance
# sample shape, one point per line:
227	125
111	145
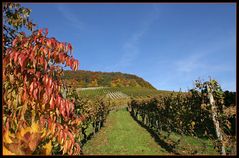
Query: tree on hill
105	79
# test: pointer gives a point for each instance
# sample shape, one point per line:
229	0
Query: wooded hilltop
83	78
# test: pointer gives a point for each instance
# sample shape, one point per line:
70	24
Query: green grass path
122	136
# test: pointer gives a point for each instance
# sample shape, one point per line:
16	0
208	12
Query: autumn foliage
35	114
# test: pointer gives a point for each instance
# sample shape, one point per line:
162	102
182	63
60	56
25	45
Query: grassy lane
122	135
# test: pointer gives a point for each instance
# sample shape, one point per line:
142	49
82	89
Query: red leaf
53	128
45	51
45	98
71	136
62	109
46	79
62	57
31	88
35	38
42	120
41	60
35	93
12	55
14	41
71	63
24	97
48	43
76	64
67	108
77	149
49	54
67	61
70	143
53	42
46	32
38	75
45	65
31	71
70	47
49	90
40	32
22	60
60	136
52	103
61	46
35	83
64	134
50	82
58	100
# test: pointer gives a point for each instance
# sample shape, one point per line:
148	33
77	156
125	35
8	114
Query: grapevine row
183	113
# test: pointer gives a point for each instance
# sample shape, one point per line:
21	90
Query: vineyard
120	92
181	122
42	115
180	115
103	91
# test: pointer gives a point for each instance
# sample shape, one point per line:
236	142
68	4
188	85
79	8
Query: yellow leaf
7	152
62	141
6	138
33	115
65	147
43	133
22	132
43	106
35	127
193	123
48	148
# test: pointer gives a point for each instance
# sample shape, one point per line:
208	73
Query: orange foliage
34	110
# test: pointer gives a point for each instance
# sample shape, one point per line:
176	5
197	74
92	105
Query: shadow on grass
83	141
168	147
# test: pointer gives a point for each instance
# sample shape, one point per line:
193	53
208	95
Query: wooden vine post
209	88
215	120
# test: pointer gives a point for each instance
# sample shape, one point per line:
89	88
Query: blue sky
169	45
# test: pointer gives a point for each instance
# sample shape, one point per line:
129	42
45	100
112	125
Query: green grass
137	91
122	136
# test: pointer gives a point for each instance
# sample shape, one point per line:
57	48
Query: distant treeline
84	78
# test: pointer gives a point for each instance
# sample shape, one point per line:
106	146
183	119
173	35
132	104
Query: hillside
82	78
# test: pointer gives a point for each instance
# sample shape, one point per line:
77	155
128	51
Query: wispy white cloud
196	64
131	47
201	59
70	16
188	64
